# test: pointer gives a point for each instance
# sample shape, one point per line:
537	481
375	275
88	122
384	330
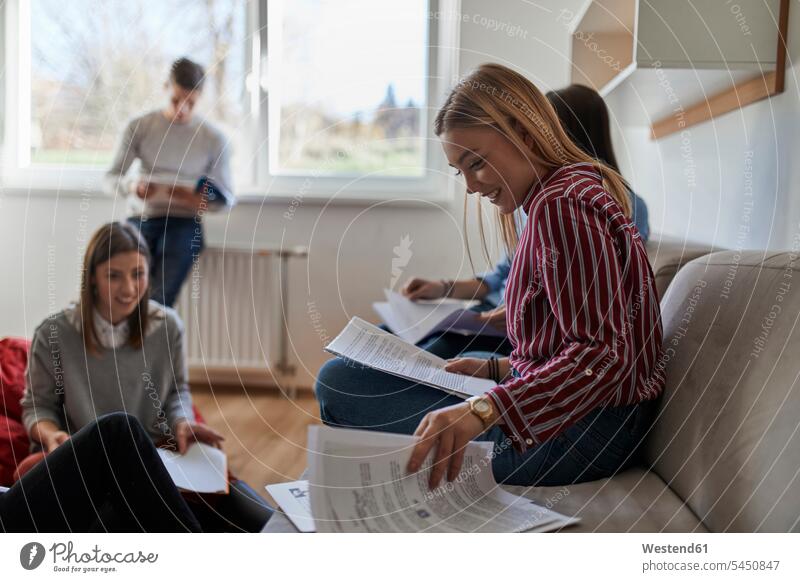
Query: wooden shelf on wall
672	64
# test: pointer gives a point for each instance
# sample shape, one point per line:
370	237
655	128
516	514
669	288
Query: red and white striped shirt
582	310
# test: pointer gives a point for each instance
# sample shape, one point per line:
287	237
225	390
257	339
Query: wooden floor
265	432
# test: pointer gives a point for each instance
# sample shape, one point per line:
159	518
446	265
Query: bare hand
447	431
477	367
54	439
496	318
187	432
423	289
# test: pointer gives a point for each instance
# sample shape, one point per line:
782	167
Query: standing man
184	172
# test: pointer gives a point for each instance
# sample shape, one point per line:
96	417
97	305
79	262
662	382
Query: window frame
16	172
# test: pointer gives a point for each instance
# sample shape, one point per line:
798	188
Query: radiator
234	305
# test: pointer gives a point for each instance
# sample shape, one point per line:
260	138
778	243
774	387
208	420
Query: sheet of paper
202	469
371	346
415	320
164	182
294	501
358	483
169	179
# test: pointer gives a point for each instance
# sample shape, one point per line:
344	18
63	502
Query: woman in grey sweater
115	350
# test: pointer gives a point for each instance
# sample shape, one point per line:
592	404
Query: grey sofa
724	452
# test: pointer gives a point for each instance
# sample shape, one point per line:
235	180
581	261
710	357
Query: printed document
293	499
366	344
358	483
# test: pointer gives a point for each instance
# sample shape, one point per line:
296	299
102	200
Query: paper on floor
293	499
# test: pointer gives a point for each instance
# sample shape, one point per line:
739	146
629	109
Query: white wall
351	247
732	181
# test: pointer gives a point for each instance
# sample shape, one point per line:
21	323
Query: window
348	87
95	64
334	90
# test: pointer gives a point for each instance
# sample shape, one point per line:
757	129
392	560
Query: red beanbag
13	438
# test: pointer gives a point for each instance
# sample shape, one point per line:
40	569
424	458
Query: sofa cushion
668	254
727	436
636	500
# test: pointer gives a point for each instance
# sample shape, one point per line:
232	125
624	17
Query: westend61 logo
66	559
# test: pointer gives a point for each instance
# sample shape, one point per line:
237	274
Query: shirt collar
552	174
108	334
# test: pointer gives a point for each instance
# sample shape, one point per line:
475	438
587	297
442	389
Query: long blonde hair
496	96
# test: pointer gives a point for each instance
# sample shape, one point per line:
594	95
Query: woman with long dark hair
118	351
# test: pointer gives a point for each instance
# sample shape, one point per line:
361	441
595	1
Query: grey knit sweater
71	387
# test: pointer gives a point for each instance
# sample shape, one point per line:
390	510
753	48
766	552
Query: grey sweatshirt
176	154
71	387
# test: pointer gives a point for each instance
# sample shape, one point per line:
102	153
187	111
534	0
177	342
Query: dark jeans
603	442
241	510
107	477
449	344
174	243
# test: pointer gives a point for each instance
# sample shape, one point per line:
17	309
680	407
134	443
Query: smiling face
121	282
491	164
181	103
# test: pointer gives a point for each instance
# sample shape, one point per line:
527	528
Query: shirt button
529	441
588	371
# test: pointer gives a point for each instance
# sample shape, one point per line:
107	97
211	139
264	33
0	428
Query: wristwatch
481	407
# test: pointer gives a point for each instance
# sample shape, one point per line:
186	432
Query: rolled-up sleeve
580	273
218	173
495	280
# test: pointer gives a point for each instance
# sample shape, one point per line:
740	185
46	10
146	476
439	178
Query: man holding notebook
184	172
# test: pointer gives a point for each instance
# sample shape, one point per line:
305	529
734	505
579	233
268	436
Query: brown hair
187	74
584	116
111	239
496	96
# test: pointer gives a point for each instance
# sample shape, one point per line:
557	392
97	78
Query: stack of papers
415	320
358	483
371	346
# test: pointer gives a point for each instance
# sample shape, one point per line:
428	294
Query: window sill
252	195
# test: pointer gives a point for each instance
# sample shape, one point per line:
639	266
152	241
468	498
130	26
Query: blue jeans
174	243
449	344
602	443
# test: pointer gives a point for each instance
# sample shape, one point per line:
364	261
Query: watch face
482	406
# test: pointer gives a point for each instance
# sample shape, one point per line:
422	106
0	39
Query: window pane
348	84
95	64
